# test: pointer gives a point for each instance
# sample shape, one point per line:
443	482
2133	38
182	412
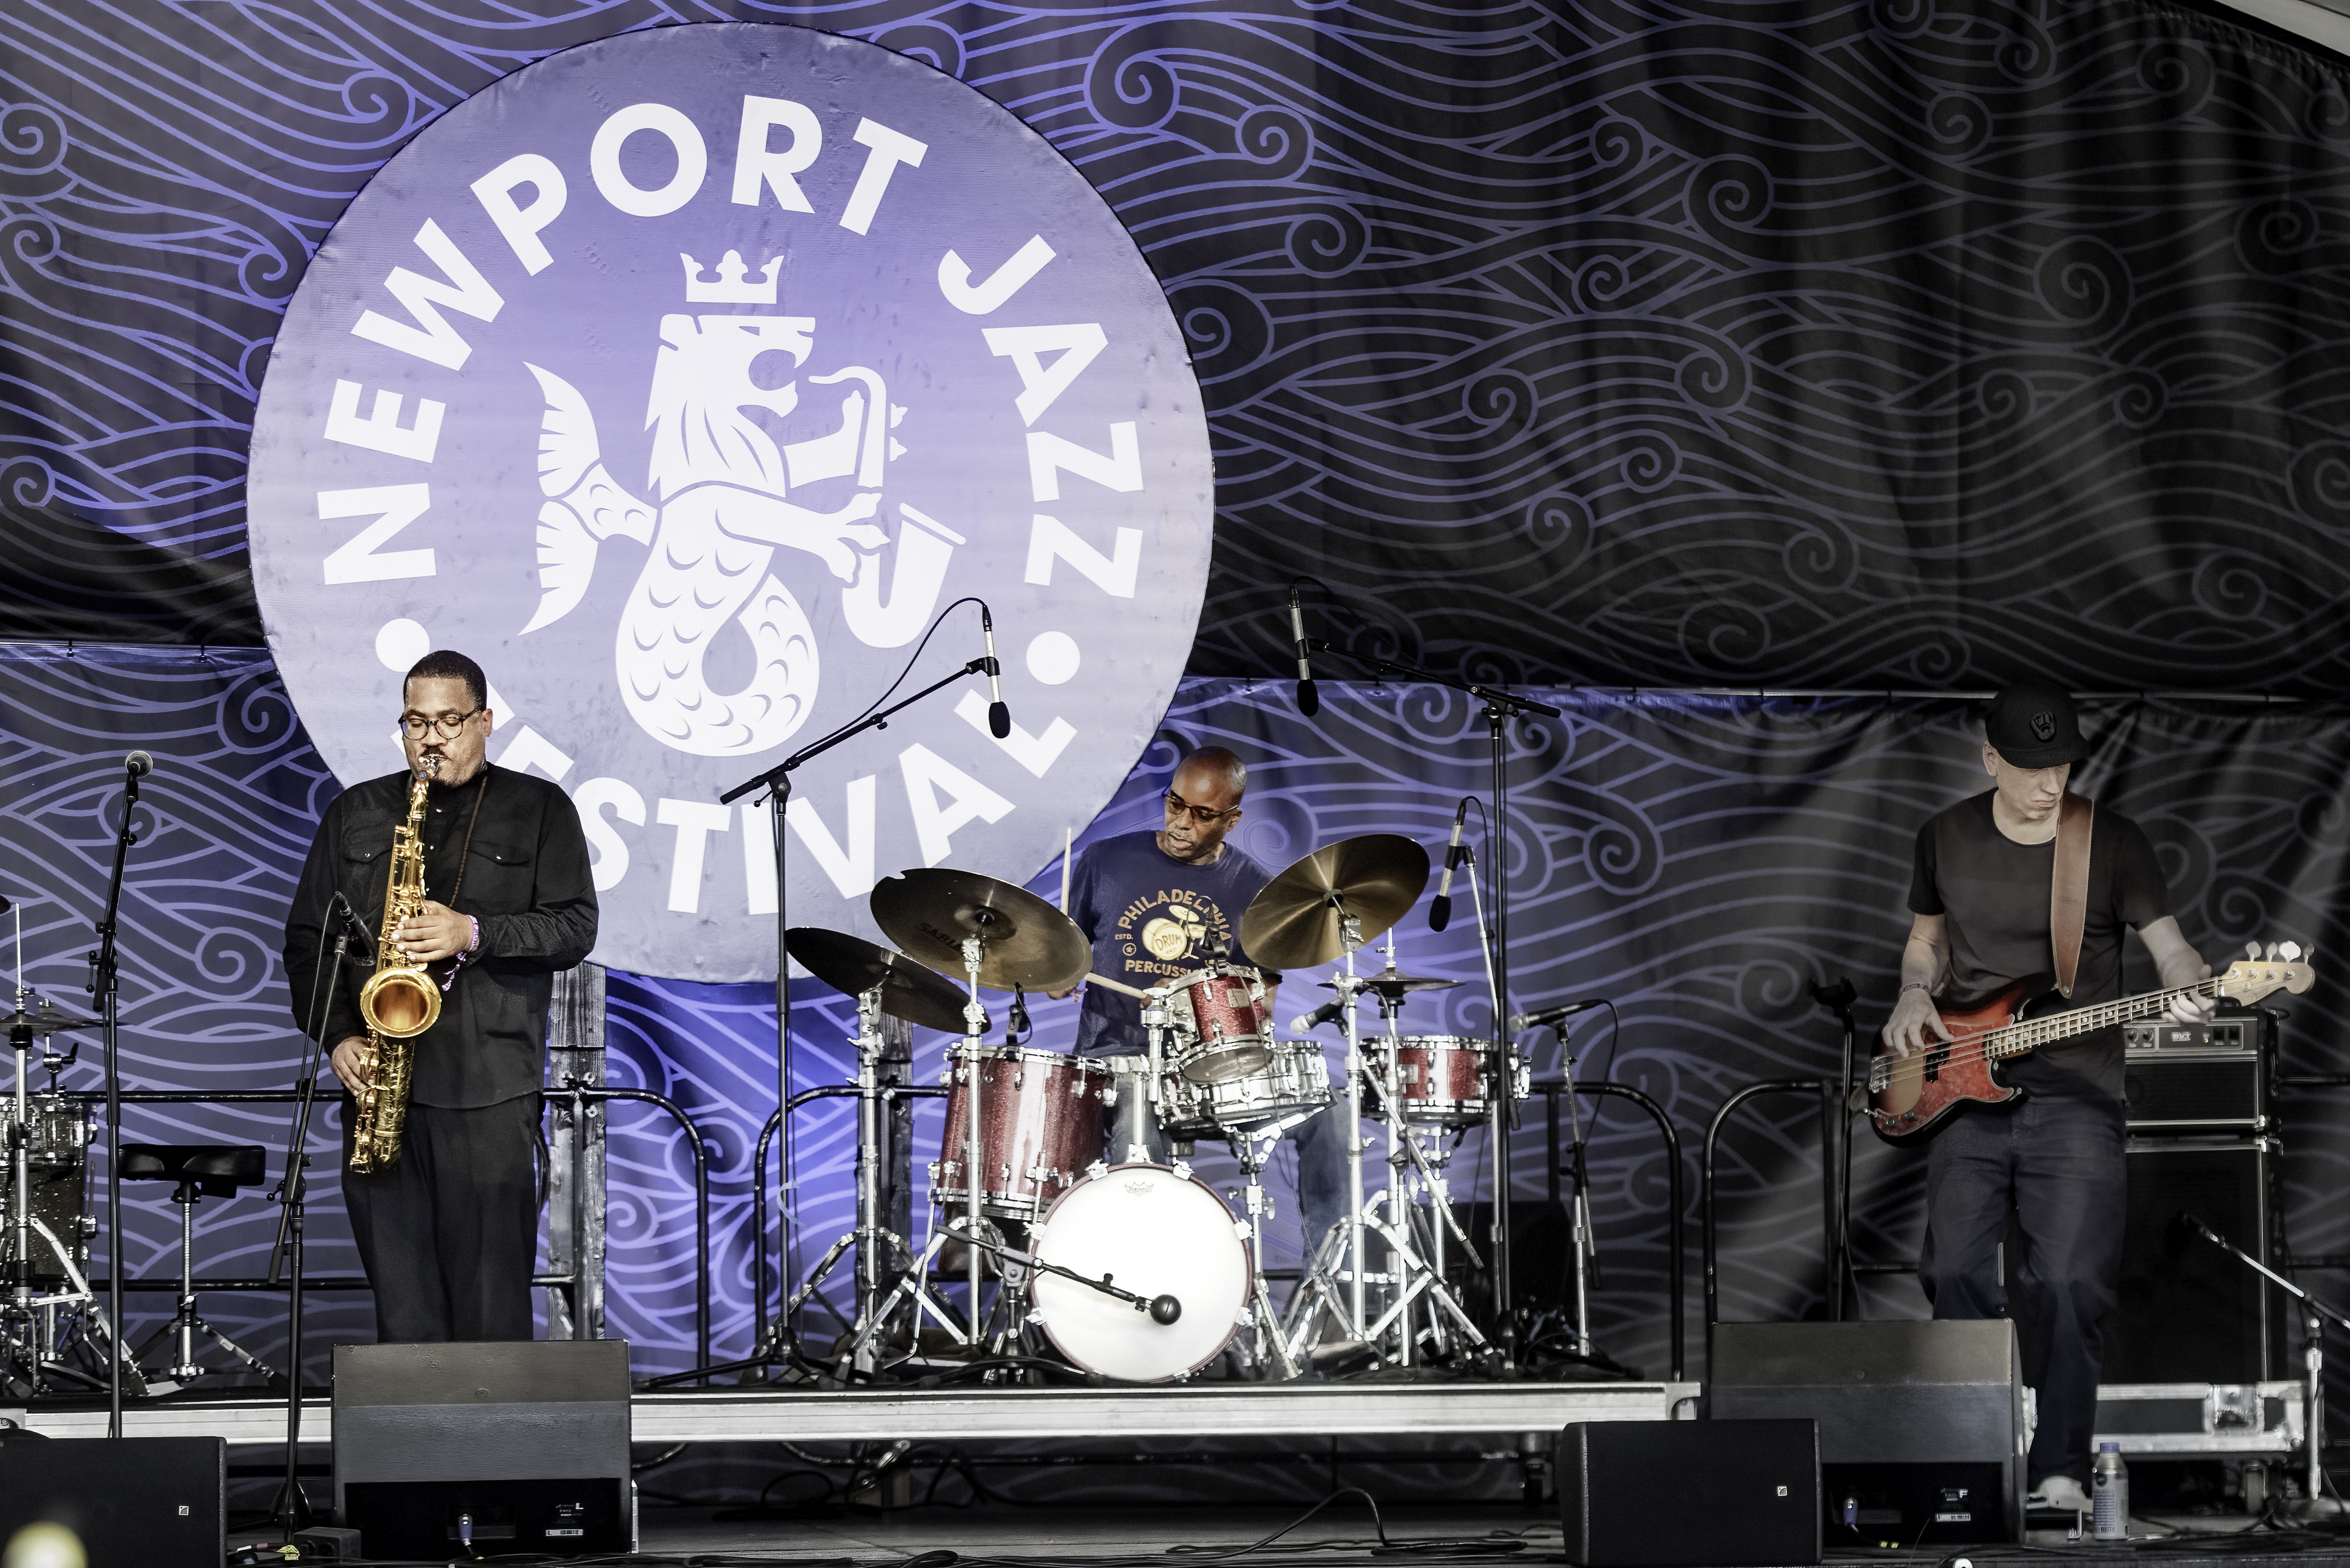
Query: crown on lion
737	284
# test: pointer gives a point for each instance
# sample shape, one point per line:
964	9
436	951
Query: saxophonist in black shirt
448	1227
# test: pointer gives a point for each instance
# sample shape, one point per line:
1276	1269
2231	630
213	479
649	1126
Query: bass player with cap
2017	884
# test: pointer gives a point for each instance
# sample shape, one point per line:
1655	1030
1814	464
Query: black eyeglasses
449	725
1203	815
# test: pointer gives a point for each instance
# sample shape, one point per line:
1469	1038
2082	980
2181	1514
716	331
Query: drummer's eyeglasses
1177	805
451	725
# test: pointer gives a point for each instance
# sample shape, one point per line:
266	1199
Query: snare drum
1293	1084
1155	1233
1220	1024
1040	1127
1442	1078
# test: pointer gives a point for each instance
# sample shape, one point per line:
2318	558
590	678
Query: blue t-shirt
1150	917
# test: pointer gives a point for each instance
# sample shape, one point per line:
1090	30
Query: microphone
1165	1309
1309	702
1329	1012
5	904
1550	1017
999	717
139	765
1439	909
356	926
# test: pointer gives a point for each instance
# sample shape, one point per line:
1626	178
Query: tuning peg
2271	954
2253	951
2289	951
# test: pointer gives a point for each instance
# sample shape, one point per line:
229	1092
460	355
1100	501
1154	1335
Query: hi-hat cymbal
1389	982
1294	922
853	965
46	1020
1024	941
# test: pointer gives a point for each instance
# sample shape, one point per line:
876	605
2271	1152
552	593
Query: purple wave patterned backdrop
1700	860
1863	343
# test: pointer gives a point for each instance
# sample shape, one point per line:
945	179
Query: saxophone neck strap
464	858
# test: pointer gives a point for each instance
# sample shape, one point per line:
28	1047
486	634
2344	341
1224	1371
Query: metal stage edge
767	1415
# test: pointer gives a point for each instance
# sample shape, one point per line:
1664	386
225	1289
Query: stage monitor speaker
523	1447
133	1502
1689	1494
1921	1429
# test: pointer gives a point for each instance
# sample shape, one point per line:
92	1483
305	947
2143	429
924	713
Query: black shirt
526	881
1992	894
1150	917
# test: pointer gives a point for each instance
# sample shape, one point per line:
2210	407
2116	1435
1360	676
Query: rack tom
1221	1026
1041	1123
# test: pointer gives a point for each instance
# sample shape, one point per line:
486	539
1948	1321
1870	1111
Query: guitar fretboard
2015	1039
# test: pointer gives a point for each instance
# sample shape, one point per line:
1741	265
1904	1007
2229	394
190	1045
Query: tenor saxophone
399	1001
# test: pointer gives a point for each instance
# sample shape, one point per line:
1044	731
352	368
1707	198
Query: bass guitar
1910	1097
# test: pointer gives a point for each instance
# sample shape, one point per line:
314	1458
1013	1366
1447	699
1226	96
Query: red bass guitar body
1910	1098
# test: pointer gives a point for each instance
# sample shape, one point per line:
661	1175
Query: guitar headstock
2282	967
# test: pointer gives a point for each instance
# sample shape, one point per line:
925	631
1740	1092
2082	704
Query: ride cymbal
1294	922
855	966
1024	941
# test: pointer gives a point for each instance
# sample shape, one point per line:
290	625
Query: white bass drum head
1154	1233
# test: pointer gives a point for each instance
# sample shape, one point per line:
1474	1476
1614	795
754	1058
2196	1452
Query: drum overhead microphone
1550	1017
1329	1012
1309	702
1439	909
999	717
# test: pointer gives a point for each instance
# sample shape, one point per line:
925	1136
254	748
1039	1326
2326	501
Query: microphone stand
292	1511
780	1341
2313	1313
1501	706
1836	1150
104	984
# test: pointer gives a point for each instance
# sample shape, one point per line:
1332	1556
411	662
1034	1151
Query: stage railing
1831	1106
579	1094
1677	1243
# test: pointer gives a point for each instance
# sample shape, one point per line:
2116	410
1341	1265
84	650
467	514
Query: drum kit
1128	1268
54	1334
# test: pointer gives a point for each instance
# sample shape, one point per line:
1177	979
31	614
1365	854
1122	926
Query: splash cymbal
1294	922
855	966
1024	941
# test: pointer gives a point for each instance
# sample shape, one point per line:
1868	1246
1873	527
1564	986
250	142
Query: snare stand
974	1020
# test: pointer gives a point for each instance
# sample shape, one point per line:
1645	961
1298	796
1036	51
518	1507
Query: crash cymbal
46	1020
1024	941
1294	922
855	966
1389	982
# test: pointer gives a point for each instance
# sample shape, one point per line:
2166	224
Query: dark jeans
2056	1167
449	1234
1320	1141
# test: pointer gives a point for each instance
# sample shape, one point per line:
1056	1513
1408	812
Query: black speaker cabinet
1689	1494
2188	1311
134	1502
1921	1431
524	1445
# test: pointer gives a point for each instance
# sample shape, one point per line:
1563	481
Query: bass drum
1153	1232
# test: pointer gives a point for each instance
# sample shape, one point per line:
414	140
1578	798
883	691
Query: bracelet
477	933
1914	985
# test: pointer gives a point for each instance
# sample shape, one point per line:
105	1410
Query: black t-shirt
1992	894
1150	917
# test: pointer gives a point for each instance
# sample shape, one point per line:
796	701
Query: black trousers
2056	1167
448	1233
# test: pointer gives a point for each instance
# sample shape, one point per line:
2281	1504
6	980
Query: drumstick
1118	986
1068	837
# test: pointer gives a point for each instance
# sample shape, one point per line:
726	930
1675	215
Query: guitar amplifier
2184	1079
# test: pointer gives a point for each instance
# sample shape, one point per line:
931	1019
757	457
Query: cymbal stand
1155	1023
1585	1239
974	1020
869	1236
1350	986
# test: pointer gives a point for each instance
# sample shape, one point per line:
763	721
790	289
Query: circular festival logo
680	379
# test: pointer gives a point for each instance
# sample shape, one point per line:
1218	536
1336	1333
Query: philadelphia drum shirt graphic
682	378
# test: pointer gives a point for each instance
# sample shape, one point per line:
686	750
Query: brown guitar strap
2068	888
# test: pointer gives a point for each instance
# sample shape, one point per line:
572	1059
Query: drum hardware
46	1136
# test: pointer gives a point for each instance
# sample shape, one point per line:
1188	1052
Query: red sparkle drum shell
1442	1078
1153	1232
1220	1027
1041	1123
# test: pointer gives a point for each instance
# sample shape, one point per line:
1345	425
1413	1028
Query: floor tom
56	1137
1442	1079
1041	1122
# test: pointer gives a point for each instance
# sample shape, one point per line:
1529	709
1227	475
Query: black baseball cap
2033	724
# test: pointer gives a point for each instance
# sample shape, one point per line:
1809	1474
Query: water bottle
2109	1494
